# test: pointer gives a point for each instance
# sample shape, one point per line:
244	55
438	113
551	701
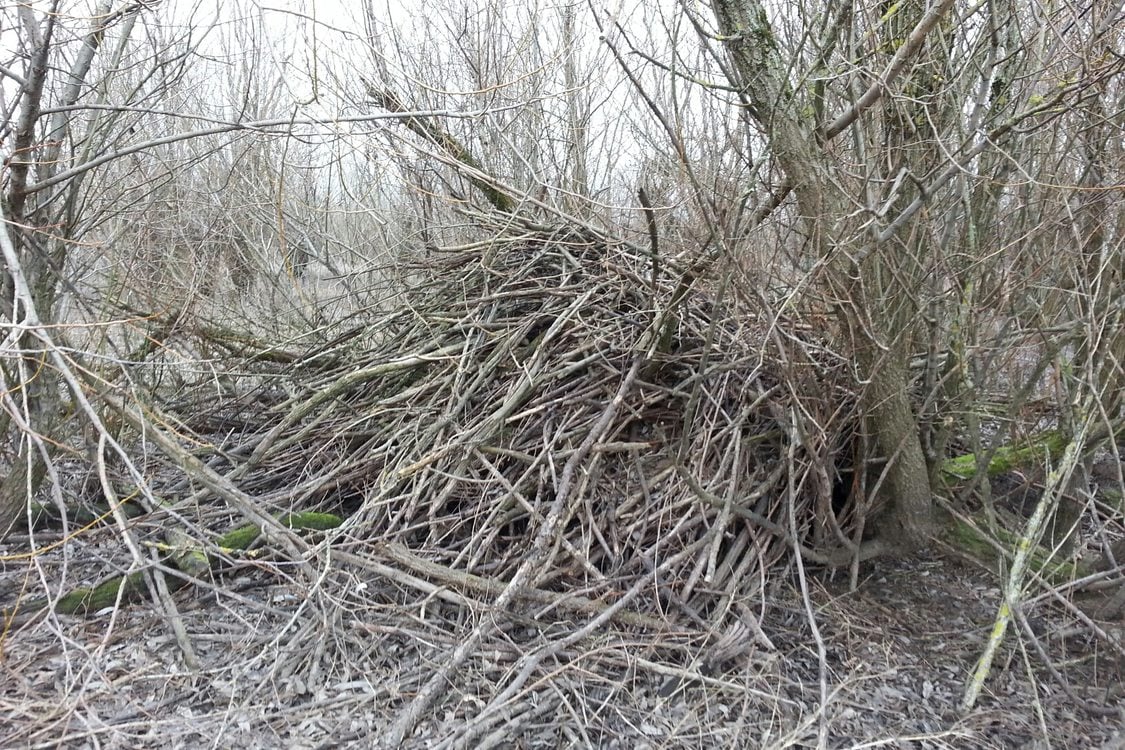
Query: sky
304	58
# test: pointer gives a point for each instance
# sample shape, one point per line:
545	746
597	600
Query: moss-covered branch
994	550
1048	445
244	536
182	555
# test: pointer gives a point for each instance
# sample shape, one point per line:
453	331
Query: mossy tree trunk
868	285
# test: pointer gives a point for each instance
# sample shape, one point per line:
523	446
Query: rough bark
874	333
895	427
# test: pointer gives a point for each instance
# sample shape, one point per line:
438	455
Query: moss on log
181	555
84	601
973	542
242	537
1046	445
185	554
1008	457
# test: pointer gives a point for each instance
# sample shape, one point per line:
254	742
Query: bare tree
872	126
43	208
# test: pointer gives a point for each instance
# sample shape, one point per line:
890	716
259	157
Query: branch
76	77
898	63
261	126
1057	481
32	97
433	132
961	165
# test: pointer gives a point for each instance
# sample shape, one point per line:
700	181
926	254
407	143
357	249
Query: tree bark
873	326
896	431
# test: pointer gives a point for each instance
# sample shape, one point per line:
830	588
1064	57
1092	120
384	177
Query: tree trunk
869	312
895	427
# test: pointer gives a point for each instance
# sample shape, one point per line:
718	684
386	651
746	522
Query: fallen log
180	553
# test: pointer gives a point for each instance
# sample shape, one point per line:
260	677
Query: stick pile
449	426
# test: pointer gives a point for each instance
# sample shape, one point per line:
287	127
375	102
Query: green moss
194	562
964	538
762	32
973	543
85	601
239	538
311	520
1049	444
244	536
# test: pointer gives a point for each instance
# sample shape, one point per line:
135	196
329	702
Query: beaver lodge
551	479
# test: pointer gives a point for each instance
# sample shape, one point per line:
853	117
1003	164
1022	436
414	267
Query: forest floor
277	672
